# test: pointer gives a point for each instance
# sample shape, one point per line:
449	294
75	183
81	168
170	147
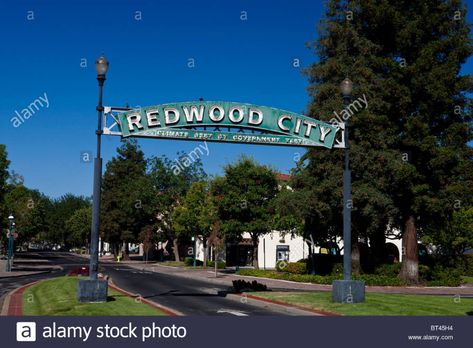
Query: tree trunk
410	259
355	253
355	258
126	252
255	253
175	249
206	251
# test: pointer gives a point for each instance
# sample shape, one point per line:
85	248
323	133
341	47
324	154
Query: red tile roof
283	177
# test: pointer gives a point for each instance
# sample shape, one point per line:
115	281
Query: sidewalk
13	304
26	267
285	285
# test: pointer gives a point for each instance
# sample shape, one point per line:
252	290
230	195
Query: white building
276	246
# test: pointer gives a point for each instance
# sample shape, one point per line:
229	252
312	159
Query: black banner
235	332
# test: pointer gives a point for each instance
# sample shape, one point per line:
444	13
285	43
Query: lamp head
346	87
101	66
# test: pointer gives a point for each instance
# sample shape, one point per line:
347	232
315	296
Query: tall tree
127	199
58	211
344	51
4	163
425	45
195	215
29	210
405	57
170	187
79	225
243	198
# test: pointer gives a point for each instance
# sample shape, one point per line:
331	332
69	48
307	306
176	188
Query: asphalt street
188	296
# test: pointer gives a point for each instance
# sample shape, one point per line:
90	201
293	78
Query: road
188	296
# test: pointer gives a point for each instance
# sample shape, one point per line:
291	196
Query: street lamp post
11	241
346	88
93	289
347	290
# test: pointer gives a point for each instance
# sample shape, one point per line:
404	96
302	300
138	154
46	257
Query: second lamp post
347	290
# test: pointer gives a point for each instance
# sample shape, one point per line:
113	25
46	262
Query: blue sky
237	60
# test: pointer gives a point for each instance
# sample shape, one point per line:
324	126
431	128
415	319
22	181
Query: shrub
380	280
465	264
297	267
242	285
388	270
220	264
443	276
281	266
189	261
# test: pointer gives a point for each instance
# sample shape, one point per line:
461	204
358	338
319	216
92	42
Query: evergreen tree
127	198
344	52
425	45
408	149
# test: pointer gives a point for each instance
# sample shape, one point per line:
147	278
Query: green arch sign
223	121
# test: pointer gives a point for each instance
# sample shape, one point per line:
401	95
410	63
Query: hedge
297	267
220	264
444	278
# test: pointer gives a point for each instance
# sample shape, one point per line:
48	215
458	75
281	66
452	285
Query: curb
18	291
167	310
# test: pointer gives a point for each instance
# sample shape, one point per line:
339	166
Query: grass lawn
467	279
58	297
378	304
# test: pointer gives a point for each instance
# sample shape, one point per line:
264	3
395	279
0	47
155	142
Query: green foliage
189	261
220	264
281	266
79	226
58	212
465	264
387	275
243	199
195	215
454	237
127	199
389	270
170	187
29	208
297	267
409	149
443	276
